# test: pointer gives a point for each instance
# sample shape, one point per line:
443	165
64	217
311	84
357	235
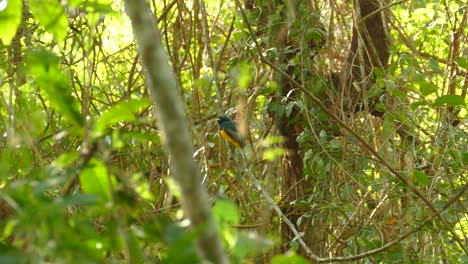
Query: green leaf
10	19
380	107
122	112
250	244
465	158
76	199
462	62
66	159
449	100
51	16
44	65
181	242
421	178
225	212
289	108
142	188
426	88
94	179
416	104
245	76
134	250
289	258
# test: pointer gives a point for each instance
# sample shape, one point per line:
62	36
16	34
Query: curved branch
406	235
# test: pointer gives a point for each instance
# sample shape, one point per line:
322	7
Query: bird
228	130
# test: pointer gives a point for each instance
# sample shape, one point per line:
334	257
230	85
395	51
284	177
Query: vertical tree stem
162	87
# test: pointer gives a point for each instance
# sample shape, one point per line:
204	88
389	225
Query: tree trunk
162	87
368	51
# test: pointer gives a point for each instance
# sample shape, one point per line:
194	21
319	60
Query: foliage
84	177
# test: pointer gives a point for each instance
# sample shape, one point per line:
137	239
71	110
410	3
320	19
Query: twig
406	235
380	10
283	217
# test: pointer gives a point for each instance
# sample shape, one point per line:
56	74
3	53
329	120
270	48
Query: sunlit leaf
289	258
245	76
51	16
427	88
95	179
125	111
250	244
226	214
10	19
449	100
142	187
66	159
225	211
44	65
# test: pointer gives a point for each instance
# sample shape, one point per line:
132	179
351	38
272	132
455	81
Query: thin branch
210	56
362	20
406	235
271	202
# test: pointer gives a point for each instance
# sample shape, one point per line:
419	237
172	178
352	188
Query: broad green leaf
289	108
449	100
76	199
462	62
250	244
122	112
48	75
380	107
272	154
142	188
289	258
66	159
134	251
416	104
465	158
245	76
421	178
181	242
100	6
51	16
426	88
94	10
225	211
94	179
10	19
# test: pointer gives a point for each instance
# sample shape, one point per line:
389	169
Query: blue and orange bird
228	130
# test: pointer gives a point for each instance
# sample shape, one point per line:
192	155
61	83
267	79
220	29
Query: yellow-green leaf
10	19
94	179
421	178
122	112
449	100
50	15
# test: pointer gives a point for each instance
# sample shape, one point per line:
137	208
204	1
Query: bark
162	87
368	50
294	185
